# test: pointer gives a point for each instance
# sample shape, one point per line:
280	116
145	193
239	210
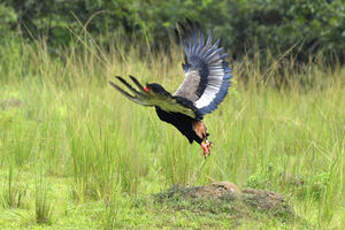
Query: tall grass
289	139
13	193
43	205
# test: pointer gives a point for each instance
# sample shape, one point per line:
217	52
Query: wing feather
207	74
166	102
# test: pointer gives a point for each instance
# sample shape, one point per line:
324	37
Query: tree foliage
246	26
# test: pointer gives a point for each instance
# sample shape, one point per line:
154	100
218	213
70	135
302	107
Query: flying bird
205	85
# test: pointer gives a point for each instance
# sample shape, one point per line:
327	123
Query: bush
7	17
247	27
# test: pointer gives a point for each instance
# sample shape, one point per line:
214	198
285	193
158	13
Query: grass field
74	154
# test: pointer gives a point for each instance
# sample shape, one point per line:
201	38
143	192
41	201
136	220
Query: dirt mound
215	190
226	198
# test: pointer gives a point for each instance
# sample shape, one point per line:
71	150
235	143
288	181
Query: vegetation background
74	154
244	26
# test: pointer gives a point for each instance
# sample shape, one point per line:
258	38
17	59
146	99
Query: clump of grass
118	208
102	160
111	217
14	194
43	206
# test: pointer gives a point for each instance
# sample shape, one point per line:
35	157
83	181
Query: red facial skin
146	89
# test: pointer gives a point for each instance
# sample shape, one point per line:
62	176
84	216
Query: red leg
204	149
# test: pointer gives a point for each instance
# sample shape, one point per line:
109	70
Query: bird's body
207	79
189	127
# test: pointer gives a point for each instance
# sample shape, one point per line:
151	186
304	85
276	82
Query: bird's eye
146	89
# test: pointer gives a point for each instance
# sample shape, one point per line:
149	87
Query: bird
207	78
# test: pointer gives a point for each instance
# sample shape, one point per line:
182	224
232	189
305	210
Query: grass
76	154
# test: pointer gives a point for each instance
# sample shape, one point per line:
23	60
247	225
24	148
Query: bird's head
156	89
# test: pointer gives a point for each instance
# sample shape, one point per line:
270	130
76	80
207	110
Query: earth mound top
225	197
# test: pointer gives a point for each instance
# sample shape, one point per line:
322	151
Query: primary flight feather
206	83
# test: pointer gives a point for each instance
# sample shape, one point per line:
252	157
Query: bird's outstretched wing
165	101
207	74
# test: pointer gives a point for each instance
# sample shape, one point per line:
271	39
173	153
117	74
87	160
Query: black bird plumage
206	83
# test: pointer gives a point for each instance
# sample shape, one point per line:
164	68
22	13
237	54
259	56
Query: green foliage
246	27
262	178
8	18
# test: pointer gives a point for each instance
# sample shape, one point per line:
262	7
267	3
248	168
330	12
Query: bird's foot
206	148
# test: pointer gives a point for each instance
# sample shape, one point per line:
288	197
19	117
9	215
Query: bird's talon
206	147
